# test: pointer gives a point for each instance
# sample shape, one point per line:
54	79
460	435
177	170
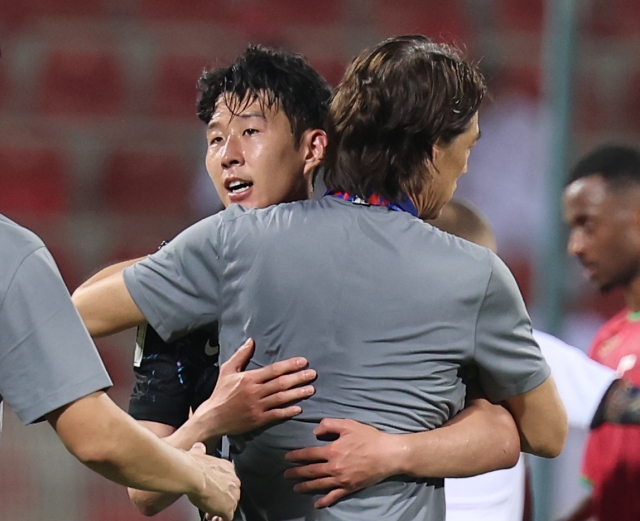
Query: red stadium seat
521	15
212	10
331	70
524	79
613	18
590	108
139	182
442	21
15	14
81	83
271	19
33	181
175	86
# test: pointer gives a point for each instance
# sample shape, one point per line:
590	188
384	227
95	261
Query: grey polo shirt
386	308
47	358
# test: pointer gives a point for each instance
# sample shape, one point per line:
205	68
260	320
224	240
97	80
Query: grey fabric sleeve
47	358
176	288
508	358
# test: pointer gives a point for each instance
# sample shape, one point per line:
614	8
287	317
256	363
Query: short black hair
618	165
277	79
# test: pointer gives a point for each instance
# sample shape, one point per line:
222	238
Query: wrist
206	425
399	456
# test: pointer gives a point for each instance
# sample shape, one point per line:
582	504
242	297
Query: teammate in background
582	385
167	398
602	208
50	368
397	161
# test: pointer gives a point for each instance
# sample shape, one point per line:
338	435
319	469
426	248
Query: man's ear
314	144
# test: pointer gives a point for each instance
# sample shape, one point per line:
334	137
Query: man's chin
606	287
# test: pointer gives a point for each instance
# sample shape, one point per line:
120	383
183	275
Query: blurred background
101	154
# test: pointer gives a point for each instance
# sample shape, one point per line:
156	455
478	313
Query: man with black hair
339	279
602	208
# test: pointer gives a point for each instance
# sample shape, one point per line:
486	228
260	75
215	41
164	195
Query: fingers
304	455
289	382
331	426
271	401
198	448
307	472
331	498
315	486
277	369
277	415
240	358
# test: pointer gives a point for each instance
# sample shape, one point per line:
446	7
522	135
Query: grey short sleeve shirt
387	309
47	358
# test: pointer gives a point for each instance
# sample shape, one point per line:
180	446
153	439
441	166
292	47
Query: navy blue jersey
172	378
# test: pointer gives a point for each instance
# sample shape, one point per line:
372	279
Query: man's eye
250	131
215	140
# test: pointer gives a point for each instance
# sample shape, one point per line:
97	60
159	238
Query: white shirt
499	495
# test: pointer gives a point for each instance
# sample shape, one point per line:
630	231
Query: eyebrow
245	115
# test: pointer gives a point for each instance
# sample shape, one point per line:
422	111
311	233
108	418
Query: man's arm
106	307
105	272
241	401
133	456
541	419
483	437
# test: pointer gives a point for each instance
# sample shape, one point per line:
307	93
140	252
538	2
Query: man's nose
232	153
575	244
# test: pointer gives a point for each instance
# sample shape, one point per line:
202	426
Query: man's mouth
237	187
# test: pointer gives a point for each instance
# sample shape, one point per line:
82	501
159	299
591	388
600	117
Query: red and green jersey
612	458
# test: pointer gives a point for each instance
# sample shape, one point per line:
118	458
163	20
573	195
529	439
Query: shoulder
16	244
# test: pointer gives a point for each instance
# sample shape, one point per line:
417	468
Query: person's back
387	331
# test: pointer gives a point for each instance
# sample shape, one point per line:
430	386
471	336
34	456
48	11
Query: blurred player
602	207
582	384
50	368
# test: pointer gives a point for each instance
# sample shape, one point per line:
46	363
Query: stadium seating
521	15
15	14
139	181
444	21
175	85
33	181
212	10
81	83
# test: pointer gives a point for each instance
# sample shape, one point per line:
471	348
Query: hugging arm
481	438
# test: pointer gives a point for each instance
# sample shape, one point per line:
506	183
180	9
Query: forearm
129	454
147	502
541	419
150	503
105	272
106	307
482	438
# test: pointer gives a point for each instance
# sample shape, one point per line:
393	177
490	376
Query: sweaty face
604	231
252	157
449	163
